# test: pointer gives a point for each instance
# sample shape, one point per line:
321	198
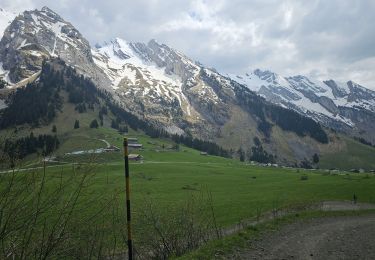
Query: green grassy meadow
170	177
238	189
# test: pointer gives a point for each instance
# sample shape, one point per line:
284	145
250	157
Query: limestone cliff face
36	35
160	84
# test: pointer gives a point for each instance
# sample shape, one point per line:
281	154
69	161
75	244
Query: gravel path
345	205
350	237
106	142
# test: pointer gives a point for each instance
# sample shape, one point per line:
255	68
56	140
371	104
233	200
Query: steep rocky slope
347	107
34	36
162	85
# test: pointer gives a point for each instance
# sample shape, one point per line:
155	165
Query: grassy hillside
238	190
351	154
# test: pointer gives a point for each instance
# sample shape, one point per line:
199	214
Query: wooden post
128	212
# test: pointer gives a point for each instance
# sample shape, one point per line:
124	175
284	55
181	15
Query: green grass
352	155
169	177
236	193
238	189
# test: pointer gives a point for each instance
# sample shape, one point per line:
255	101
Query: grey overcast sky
324	39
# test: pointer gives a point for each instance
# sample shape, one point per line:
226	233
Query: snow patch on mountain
250	80
46	19
119	60
133	73
4	74
309	96
6	18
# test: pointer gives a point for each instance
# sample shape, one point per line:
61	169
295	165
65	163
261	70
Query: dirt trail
345	205
323	206
349	237
106	142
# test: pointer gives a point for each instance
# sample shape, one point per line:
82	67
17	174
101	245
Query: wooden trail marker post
128	212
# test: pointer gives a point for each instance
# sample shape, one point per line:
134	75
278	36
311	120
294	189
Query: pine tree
114	124
3	83
241	153
94	124
76	124
316	158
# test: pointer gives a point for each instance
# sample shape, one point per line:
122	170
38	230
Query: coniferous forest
269	114
43	100
20	148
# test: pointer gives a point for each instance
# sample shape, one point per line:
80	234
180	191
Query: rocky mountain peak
163	56
342	106
36	35
48	12
270	78
267	75
339	90
303	83
154	42
121	48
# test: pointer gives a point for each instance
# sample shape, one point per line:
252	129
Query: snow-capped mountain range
319	99
156	72
329	102
159	84
157	78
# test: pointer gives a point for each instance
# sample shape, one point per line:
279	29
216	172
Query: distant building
135	157
357	170
112	148
132	140
49	159
135	145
